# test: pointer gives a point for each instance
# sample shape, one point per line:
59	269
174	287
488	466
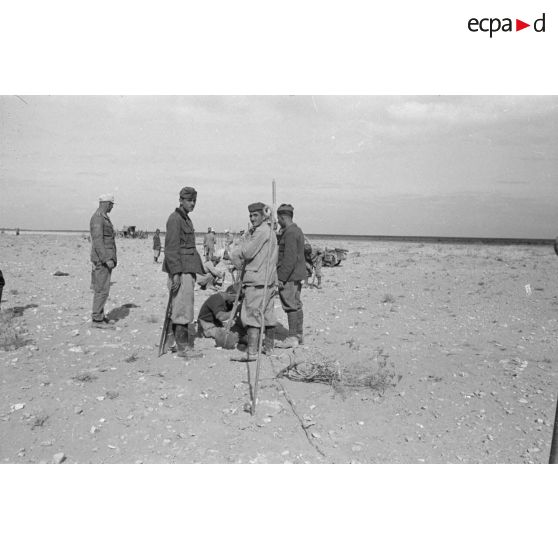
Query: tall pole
264	302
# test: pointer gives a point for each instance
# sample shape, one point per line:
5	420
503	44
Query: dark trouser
290	296
100	285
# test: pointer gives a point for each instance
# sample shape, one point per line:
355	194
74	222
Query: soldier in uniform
156	246
209	244
182	262
103	259
291	271
258	252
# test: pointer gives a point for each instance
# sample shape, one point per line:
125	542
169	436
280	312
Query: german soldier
258	252
182	262
103	259
291	271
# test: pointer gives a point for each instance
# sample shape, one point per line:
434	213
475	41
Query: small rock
356	448
58	458
112	394
17	407
78	410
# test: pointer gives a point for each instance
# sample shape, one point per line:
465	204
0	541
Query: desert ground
461	341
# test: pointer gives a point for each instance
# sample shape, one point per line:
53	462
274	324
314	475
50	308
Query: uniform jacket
156	242
181	255
291	264
103	245
253	251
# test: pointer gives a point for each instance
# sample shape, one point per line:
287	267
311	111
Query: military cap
258	206
106	198
233	289
188	192
286	208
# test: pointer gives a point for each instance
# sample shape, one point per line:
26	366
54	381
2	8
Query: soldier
209	244
216	311
103	259
156	246
314	256
213	277
182	262
258	252
291	271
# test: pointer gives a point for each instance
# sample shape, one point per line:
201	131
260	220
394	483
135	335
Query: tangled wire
377	374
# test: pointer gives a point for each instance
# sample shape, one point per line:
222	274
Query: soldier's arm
96	229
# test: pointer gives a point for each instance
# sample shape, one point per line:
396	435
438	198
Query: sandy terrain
471	352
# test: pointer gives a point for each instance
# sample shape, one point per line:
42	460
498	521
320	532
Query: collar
182	213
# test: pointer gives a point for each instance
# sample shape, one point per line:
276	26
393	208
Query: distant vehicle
129	231
334	256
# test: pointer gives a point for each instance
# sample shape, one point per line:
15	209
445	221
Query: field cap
286	208
106	198
188	193
233	289
258	206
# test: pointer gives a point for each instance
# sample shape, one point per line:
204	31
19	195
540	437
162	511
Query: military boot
269	340
292	340
190	340
253	335
181	339
319	285
170	343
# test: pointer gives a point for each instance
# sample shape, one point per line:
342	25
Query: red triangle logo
519	25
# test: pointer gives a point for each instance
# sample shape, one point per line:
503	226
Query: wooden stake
263	305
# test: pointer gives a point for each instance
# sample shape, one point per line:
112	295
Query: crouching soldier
216	312
257	253
182	262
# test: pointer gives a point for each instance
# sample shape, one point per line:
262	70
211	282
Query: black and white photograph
278	278
409	313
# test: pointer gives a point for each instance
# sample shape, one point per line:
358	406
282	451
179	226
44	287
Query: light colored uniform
257	247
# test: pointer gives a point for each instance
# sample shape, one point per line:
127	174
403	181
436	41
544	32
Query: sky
479	166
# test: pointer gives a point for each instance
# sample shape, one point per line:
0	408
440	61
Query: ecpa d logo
493	25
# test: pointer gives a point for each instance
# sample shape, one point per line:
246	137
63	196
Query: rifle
165	332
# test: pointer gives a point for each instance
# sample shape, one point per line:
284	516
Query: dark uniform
291	271
182	258
156	246
103	249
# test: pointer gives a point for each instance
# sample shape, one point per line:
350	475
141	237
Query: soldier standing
254	251
182	262
103	259
291	271
209	244
156	246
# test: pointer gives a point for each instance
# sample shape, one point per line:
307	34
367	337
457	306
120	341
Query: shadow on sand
117	314
19	310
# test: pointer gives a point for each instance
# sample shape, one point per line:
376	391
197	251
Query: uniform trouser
156	252
100	285
252	303
183	301
290	296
